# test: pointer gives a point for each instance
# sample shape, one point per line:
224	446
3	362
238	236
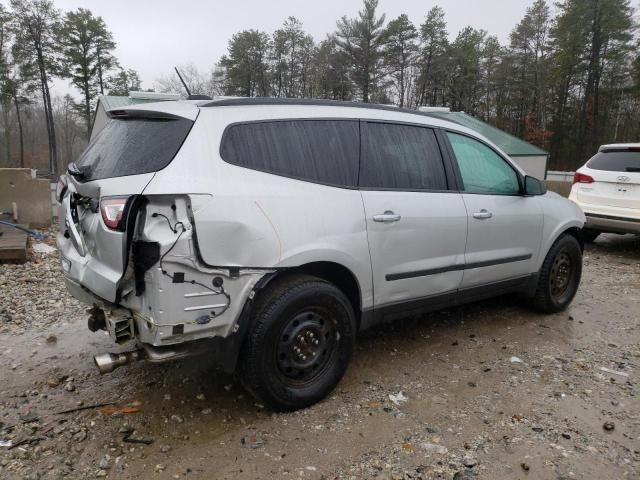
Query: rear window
321	151
616	161
131	146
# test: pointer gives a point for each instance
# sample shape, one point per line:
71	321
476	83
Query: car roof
346	109
619	146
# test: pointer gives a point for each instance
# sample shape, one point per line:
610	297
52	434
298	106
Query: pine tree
246	64
433	57
361	39
87	57
400	50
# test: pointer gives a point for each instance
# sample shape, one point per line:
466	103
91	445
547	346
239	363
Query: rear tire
559	276
590	235
300	342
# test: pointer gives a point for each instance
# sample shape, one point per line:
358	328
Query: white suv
269	232
607	188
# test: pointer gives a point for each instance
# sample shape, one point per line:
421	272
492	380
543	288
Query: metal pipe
108	362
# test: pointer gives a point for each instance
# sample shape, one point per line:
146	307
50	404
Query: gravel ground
490	390
33	294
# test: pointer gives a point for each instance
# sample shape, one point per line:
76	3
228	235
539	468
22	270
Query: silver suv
267	233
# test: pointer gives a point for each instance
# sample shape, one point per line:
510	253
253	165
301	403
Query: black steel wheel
560	274
307	345
559	277
300	342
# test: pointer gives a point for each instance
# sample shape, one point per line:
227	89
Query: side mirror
533	186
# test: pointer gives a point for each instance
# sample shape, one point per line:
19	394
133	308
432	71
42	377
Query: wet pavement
488	390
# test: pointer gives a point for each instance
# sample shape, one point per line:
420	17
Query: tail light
112	210
582	178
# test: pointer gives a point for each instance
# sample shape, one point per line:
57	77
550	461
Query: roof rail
308	101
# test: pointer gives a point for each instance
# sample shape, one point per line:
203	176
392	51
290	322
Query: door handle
482	214
387	217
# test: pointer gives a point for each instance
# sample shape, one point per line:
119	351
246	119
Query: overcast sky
153	36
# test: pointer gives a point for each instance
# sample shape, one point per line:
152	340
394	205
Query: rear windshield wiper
632	169
76	172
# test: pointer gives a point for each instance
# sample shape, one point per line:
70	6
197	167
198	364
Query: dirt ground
489	390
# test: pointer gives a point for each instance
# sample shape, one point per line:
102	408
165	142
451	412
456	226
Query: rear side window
403	157
323	151
619	161
131	146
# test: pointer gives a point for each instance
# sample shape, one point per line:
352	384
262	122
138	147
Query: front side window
403	157
323	151
482	169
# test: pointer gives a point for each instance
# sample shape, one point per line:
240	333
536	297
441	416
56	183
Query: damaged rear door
102	195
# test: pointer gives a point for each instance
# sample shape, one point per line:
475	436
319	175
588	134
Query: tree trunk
589	133
87	107
20	133
365	86
48	110
100	79
7	134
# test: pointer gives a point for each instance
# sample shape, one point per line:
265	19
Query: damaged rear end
134	257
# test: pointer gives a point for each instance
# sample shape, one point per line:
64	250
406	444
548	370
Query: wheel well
338	275
577	233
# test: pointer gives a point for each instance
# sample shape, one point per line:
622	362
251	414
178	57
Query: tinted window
401	156
324	151
131	146
616	161
482	169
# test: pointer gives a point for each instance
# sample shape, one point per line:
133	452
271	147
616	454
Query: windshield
131	146
616	161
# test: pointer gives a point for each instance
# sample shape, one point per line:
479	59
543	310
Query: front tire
300	342
559	276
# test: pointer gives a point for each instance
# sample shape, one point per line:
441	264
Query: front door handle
387	217
482	214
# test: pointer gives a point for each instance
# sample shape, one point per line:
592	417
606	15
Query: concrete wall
562	188
536	166
32	196
559	182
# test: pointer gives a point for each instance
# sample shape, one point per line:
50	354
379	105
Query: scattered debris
128	438
515	360
525	466
609	426
29	417
373	404
43	248
398	398
470	461
111	409
252	441
614	372
84	407
434	448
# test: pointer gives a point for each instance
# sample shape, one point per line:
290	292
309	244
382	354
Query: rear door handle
387	217
482	214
